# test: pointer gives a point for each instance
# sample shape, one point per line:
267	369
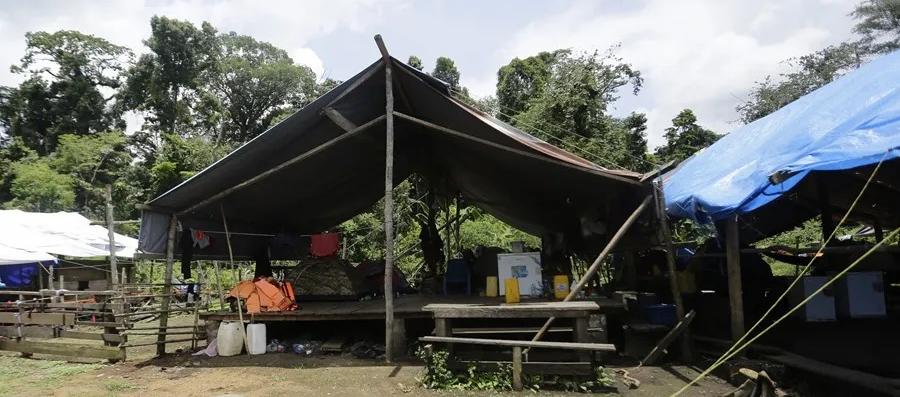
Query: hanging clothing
187	253
263	263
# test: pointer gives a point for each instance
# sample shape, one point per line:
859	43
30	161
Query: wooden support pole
592	271
237	278
388	203
517	368
665	236
660	348
167	280
111	232
735	291
219	286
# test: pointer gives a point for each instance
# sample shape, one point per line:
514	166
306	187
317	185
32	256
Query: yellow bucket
560	286
512	290
491	289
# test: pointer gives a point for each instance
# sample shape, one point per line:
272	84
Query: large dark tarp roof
520	179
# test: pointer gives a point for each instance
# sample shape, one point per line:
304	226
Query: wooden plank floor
405	306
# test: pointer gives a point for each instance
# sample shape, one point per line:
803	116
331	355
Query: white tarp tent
32	237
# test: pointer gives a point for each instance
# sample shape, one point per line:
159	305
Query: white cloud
306	56
286	24
702	55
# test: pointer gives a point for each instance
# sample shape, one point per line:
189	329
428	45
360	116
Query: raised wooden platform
405	306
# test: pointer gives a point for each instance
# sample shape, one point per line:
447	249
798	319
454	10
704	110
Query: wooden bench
517	346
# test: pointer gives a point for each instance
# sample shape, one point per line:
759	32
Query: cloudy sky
702	55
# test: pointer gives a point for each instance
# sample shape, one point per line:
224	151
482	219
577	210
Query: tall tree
445	70
415	62
807	73
635	143
879	24
254	81
67	74
38	187
92	162
684	138
522	80
165	82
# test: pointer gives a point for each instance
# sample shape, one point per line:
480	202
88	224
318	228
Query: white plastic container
229	340
526	267
256	338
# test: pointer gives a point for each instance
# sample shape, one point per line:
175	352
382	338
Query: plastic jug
230	341
560	286
491	287
256	338
512	290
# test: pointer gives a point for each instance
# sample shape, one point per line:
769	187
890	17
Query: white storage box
861	295
819	308
525	266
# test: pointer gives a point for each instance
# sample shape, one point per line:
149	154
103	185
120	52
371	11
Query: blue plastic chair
457	274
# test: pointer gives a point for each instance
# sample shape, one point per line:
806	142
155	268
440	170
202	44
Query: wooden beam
735	291
63	349
521	310
529	367
362	79
111	233
339	119
61	319
601	347
665	236
388	203
664	343
312	152
517	368
592	270
39	332
167	281
520	152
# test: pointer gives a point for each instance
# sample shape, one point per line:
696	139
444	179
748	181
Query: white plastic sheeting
12	256
32	237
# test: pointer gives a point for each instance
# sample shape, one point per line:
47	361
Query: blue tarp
853	121
21	275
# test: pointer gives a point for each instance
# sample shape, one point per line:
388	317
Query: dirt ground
271	374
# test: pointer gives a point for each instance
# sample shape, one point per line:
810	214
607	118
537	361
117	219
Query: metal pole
388	204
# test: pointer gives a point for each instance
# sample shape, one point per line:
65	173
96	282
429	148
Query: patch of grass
18	374
117	385
279	378
783	269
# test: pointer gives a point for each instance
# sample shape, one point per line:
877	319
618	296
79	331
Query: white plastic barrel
256	338
229	340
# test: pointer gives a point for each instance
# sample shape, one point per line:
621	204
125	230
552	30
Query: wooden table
444	313
579	311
